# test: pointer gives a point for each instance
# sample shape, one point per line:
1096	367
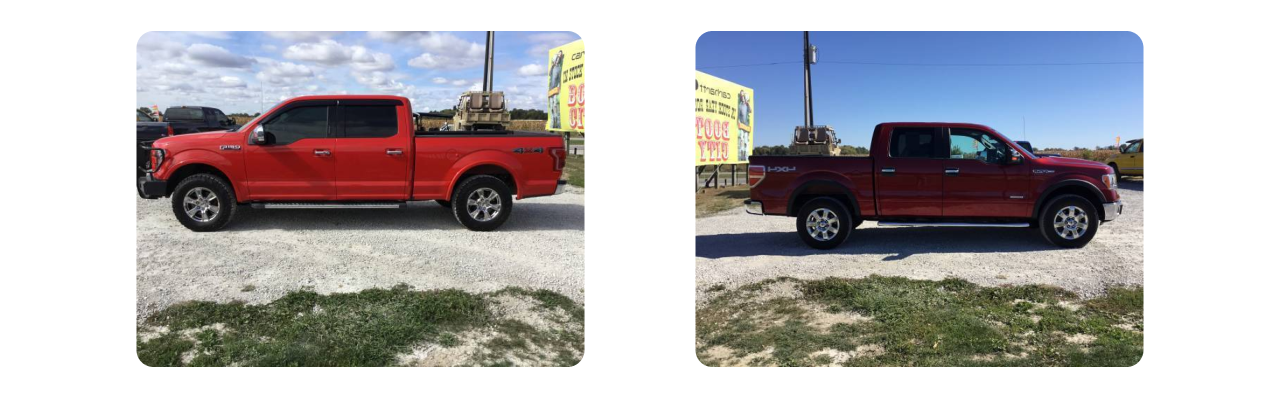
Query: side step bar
945	224
328	205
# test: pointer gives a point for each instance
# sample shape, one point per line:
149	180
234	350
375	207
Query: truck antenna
488	62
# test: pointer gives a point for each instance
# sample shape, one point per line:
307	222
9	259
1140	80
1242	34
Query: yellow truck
1129	161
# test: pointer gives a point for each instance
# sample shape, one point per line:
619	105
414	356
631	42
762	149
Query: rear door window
369	121
912	142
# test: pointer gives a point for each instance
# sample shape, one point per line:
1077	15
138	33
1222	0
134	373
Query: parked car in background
178	120
193	119
1129	161
350	151
936	174
1026	145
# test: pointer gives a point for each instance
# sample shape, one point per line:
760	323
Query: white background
68	211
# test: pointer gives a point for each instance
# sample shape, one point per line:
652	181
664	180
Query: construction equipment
485	109
810	139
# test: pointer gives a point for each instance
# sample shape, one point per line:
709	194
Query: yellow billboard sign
724	120
566	88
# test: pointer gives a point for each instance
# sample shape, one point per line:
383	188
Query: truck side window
297	124
974	144
369	121
911	142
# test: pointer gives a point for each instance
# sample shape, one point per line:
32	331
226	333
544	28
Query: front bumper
151	188
1112	210
754	207
560	186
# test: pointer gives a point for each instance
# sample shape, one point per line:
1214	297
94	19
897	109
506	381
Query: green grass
575	170
710	201
368	328
894	321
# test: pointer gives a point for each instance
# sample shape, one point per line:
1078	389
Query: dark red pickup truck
350	151
936	174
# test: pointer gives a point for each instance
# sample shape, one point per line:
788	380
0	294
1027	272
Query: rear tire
824	223
1069	221
204	202
482	203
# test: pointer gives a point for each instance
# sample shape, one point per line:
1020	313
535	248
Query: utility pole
488	62
808	89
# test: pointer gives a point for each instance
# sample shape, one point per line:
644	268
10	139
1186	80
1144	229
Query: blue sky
1064	106
244	71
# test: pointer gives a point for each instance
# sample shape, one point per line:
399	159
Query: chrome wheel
1070	222
823	224
484	204
201	204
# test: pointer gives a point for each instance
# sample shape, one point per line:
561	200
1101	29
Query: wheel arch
822	188
1069	186
194	168
495	168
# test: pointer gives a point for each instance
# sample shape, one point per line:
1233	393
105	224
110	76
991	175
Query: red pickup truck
936	174
350	151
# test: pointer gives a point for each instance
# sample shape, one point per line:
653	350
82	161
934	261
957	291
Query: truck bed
823	174
526	155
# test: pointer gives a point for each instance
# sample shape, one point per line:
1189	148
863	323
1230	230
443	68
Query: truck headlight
1109	179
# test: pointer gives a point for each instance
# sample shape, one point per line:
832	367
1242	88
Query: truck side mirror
1015	157
258	136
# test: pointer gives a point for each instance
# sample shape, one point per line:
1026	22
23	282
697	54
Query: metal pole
808	90
488	62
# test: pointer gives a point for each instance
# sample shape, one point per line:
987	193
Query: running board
944	224
328	205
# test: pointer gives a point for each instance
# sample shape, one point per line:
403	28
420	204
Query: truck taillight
169	130
755	175
559	155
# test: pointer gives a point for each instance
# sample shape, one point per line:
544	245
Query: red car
936	174
350	151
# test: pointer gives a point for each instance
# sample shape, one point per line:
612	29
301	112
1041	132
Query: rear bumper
754	207
1112	210
151	188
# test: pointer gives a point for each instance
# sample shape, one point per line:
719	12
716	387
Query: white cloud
532	70
210	55
302	36
459	82
447	52
439	80
175	68
212	34
332	53
284	73
392	36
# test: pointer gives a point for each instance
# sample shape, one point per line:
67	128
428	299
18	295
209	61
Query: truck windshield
256	118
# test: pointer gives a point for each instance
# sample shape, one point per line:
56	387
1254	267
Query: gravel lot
734	248
276	251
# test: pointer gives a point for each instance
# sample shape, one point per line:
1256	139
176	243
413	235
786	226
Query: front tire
204	202
824	223
1070	221
482	203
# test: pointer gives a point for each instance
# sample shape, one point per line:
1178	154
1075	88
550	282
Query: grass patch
369	328
710	201
895	321
575	170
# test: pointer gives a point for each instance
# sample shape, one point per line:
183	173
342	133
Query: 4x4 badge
1042	171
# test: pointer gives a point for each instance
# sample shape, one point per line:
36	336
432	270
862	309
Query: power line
1022	64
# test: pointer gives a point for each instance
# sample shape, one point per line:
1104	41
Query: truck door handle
392	151
322	152
888	171
953	171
